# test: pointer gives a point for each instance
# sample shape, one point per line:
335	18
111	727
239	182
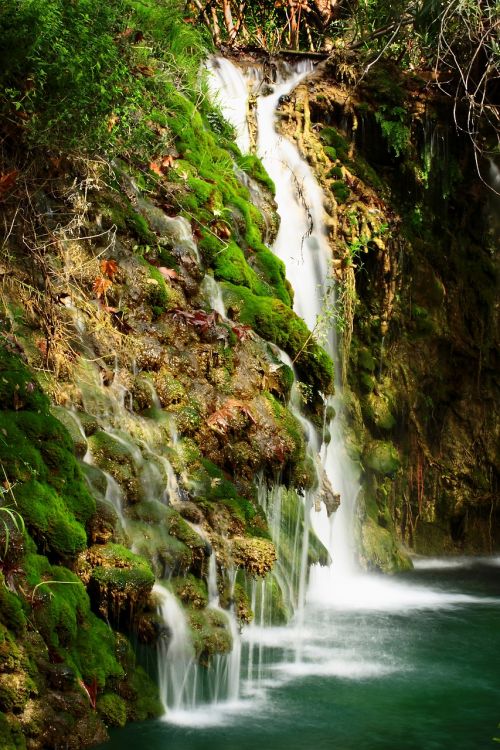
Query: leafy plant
10	518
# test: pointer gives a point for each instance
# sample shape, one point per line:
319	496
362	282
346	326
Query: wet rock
61	677
328	496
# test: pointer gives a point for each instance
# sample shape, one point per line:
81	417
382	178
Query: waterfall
302	244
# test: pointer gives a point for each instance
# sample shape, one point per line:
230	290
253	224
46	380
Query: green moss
115	457
333	139
366	361
330	152
190	590
61	613
11	734
142	696
120	569
252	165
210	633
335	173
158	294
112	709
19	389
376	409
360	167
277	323
340	191
181	530
382	458
19	457
203	190
11	610
367	382
379	549
94	652
48	520
188	418
269	599
140	227
230	265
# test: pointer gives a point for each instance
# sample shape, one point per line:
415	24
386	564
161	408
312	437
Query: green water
412	665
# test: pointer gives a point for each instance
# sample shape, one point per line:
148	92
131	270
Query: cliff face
413	236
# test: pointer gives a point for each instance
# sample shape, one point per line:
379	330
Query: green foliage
61	67
75	75
11	734
392	121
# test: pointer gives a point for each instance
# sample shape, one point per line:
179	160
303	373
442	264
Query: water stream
367	661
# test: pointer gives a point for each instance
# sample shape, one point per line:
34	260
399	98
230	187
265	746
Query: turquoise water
412	665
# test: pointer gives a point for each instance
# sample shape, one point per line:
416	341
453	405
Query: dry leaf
112	121
8	180
167	161
109	268
155	168
168	273
101	286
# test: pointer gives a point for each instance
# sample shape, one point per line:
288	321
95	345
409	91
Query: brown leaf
101	286
220	420
167	161
145	70
154	167
168	273
242	332
41	345
8	180
109	268
112	121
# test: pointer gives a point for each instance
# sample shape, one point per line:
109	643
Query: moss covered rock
382	458
120	579
257	556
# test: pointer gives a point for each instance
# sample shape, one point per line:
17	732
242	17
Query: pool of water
403	663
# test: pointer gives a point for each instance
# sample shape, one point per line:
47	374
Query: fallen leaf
112	121
101	286
167	161
8	180
154	167
109	268
168	273
145	70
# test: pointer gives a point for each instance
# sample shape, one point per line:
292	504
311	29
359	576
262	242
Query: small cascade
228	87
302	244
212	293
177	667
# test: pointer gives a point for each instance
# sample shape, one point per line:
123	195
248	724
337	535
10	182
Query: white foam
215	715
450	563
341	668
373	593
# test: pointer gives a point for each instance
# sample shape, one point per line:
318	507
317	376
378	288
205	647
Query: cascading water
302	244
349	629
